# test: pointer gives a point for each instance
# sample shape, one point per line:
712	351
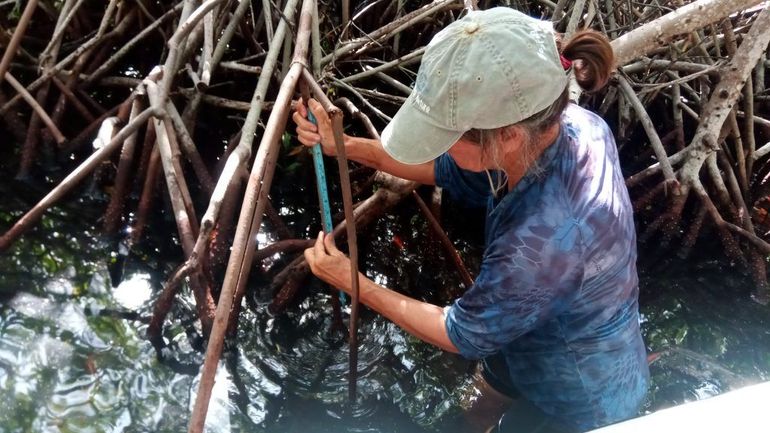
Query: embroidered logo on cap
421	104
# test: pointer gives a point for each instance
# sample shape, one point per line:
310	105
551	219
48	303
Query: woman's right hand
310	134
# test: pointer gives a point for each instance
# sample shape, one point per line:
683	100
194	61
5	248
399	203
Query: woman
553	313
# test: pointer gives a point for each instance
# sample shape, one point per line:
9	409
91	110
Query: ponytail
592	58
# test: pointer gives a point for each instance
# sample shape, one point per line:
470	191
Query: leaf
286	140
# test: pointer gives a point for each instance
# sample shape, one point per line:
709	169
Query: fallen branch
659	32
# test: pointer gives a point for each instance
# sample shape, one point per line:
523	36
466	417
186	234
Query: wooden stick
115	207
725	95
574	19
66	15
347	200
355	112
404	60
60	138
242	153
208	48
401	87
450	249
227	35
315	42
345	12
18	33
190	150
91	43
184	213
191	110
748	132
175	44
358	95
558	12
148	189
395	26
128	46
267	10
644	118
74	100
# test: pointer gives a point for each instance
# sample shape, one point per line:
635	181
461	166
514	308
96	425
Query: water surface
74	357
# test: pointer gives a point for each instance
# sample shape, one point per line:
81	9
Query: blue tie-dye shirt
557	290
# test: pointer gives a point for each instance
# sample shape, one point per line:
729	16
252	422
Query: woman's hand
423	320
328	263
310	134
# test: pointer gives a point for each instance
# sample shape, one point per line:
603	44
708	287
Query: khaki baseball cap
490	69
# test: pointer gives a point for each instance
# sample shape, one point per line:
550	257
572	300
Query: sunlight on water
133	292
220	405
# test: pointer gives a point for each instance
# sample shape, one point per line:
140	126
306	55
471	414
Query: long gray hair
590	55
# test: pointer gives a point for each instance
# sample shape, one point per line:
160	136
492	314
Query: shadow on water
73	356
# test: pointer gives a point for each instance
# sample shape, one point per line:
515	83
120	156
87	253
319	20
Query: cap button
471	27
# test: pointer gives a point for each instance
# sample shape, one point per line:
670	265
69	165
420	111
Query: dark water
73	356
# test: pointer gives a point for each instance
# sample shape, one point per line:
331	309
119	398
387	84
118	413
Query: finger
311	136
297	117
302	122
310	257
319	246
314	105
308	138
301	108
331	247
318	111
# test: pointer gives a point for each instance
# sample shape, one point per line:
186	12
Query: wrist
347	144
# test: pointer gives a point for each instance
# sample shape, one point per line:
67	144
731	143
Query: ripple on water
310	367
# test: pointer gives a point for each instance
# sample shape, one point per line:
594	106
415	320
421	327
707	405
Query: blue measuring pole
323	191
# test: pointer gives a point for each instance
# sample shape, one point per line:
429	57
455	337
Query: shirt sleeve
470	187
526	278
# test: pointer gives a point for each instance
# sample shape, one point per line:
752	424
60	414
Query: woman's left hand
328	263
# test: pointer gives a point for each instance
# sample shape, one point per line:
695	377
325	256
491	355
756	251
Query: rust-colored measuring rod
335	114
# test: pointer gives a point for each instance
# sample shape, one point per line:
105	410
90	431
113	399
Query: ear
512	133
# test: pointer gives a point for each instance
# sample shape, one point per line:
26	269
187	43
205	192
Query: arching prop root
708	157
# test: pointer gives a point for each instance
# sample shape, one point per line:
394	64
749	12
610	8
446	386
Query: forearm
370	153
421	319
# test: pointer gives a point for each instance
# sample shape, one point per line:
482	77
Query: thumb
331	246
318	110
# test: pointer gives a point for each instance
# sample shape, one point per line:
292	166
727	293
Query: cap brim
413	138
